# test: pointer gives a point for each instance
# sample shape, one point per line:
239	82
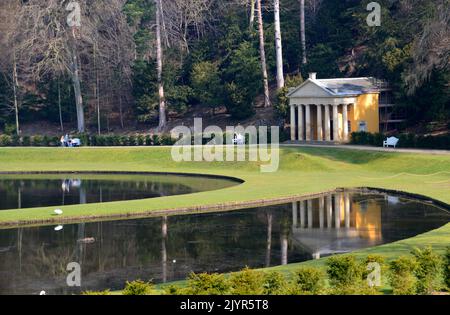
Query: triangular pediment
310	88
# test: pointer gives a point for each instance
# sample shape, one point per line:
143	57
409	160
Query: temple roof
345	86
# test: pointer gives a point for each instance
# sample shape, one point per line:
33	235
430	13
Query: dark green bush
428	270
167	140
140	140
447	268
309	280
246	282
344	270
5	140
156	140
274	283
10	129
131	140
138	287
207	284
402	275
37	141
148	140
26	141
15	140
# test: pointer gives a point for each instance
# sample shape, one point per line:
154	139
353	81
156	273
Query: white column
319	123
329	208
308	122
284	250
347	210
310	214
301	136
337	210
302	214
335	123
321	211
327	123
294	214
293	129
345	121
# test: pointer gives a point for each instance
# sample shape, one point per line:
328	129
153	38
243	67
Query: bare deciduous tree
159	65
431	48
278	45
49	47
303	31
263	54
8	53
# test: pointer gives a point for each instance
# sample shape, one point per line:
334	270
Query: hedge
101	140
407	140
87	140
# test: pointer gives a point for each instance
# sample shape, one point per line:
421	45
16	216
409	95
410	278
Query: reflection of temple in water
336	223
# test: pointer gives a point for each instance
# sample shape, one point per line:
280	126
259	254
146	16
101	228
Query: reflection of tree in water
50	261
19	193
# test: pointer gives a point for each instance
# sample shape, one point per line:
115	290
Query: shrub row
25	141
418	273
406	140
87	140
101	140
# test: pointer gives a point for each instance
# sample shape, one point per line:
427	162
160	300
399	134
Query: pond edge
225	207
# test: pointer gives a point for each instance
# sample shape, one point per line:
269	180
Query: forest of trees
130	62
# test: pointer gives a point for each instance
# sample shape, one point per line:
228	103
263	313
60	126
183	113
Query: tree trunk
164	249
77	90
97	91
263	55
269	239
278	45
59	107
252	14
15	85
121	110
159	56
302	31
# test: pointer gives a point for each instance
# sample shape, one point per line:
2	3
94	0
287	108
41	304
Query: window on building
362	126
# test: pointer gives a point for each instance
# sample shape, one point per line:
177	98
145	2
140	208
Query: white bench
75	143
391	142
238	139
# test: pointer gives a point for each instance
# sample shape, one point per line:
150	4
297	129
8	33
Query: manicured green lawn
302	171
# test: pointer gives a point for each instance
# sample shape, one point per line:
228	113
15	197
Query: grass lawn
302	171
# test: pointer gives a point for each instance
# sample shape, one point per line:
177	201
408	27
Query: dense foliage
211	60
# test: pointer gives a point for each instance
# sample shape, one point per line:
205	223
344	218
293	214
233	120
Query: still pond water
28	191
166	249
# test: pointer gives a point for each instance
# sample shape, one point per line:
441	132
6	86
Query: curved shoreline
212	176
231	206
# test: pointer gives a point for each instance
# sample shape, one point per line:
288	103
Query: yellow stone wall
368	222
366	109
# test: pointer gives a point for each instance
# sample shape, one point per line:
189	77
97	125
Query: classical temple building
331	109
